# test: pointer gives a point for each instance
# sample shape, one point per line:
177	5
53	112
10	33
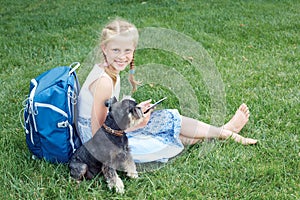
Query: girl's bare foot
226	134
245	141
239	119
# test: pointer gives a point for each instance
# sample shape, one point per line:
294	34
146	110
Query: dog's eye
130	110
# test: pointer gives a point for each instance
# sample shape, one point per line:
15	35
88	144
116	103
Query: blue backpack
50	114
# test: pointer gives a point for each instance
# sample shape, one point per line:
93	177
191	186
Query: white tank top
85	98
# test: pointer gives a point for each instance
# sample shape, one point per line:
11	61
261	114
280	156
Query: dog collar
112	131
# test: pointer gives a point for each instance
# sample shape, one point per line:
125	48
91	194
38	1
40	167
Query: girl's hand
145	105
146	118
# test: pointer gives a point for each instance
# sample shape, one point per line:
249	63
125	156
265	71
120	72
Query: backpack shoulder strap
77	64
75	111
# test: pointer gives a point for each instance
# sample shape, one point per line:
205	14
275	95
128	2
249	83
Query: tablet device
155	104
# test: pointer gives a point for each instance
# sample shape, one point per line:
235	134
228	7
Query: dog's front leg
130	168
113	179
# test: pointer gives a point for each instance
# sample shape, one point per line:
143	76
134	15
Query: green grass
253	44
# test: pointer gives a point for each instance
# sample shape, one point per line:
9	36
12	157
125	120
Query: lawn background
255	47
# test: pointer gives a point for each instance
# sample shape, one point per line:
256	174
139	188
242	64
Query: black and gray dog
108	149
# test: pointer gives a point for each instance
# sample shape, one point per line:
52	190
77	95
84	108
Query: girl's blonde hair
121	27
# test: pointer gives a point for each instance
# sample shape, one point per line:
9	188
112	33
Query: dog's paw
78	170
119	186
132	174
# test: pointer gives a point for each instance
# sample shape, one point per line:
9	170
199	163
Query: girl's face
119	52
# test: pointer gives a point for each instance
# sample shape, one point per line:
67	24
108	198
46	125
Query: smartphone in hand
155	104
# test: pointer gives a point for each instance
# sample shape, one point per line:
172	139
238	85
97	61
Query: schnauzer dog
108	151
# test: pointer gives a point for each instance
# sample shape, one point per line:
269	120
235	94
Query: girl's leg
192	131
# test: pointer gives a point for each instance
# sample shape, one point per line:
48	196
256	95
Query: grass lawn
232	52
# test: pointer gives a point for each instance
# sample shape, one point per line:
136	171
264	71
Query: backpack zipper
54	108
71	111
64	125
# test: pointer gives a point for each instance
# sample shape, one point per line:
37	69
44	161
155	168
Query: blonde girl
163	133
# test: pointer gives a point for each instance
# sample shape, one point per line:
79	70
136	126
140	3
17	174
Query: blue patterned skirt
159	140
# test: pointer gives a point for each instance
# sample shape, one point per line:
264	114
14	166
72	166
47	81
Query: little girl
163	133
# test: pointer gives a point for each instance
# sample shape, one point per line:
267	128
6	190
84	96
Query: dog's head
125	113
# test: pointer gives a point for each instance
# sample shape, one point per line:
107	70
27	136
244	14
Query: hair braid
133	82
111	74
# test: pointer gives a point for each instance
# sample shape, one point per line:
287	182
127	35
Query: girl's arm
102	91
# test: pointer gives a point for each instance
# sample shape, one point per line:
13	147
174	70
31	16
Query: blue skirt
159	140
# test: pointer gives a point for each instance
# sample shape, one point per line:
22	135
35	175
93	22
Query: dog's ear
110	101
114	100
